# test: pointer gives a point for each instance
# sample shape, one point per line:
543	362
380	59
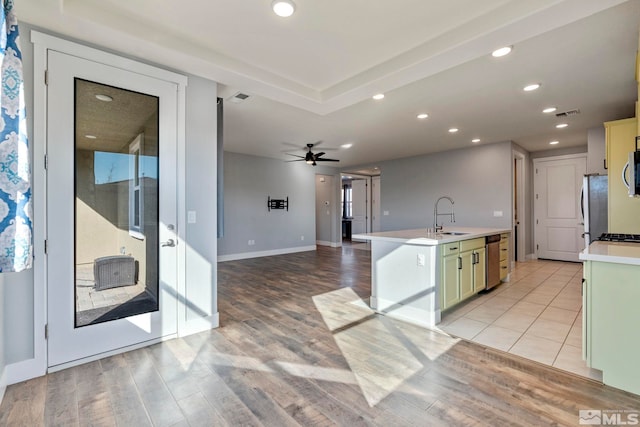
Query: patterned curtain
16	250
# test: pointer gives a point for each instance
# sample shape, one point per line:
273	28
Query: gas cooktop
616	237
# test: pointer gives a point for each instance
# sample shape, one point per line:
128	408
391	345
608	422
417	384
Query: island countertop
420	236
615	252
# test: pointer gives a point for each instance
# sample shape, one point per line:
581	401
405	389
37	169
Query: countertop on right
614	252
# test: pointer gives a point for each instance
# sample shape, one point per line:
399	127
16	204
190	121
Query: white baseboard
331	244
531	257
3	384
199	325
272	252
24	370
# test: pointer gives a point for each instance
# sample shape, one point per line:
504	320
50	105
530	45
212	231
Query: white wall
477	178
248	182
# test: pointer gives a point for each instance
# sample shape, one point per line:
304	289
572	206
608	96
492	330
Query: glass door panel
116	203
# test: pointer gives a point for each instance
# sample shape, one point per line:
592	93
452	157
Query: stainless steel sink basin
453	233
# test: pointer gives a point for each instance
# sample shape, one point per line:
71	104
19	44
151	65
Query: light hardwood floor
297	346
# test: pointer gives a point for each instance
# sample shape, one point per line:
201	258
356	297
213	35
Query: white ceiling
310	77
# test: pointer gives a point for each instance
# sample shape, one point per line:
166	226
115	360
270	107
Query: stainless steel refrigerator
594	207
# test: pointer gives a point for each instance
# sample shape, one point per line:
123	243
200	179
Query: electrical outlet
421	260
497	213
252	242
385	213
191	217
301	237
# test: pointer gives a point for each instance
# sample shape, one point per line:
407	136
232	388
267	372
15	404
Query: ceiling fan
310	157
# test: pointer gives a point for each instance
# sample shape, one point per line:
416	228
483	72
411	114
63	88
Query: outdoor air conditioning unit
114	271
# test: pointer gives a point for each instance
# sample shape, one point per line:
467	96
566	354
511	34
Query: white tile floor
537	315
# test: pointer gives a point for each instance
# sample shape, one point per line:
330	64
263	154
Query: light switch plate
497	213
191	217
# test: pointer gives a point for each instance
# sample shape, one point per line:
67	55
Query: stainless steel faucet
451	214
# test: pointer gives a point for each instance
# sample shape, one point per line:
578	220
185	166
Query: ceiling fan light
283	8
310	162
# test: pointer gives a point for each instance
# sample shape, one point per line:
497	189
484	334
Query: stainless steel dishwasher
493	260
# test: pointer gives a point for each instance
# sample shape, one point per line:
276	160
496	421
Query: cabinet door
624	211
466	274
480	270
450	288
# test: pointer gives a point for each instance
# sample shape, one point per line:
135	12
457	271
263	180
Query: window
347	201
136	193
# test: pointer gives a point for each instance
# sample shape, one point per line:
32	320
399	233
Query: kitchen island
611	312
416	274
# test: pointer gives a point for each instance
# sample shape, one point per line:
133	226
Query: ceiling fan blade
297	160
327	160
322	153
295	155
293	145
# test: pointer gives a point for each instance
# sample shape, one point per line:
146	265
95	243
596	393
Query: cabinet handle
453	249
459	263
605	163
504	249
504	267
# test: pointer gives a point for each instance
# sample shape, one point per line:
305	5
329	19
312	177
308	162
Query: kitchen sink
453	233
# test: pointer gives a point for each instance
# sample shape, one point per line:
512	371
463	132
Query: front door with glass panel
111	205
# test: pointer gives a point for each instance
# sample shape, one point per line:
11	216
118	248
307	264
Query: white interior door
359	206
559	225
111	208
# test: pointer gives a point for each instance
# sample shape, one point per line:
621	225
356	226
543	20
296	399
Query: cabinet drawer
504	253
504	237
450	248
504	269
469	245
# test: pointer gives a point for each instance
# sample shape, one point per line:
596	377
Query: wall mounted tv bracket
277	203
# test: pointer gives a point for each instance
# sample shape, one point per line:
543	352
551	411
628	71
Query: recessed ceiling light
378	96
529	88
501	52
105	98
554	142
453	130
475	140
562	125
347	145
283	8
90	136
549	110
423	116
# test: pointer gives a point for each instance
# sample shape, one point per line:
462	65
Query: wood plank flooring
297	346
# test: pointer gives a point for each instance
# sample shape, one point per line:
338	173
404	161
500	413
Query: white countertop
421	237
615	252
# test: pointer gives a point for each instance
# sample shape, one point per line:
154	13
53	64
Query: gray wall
201	160
528	199
2	334
596	147
248	181
478	179
201	237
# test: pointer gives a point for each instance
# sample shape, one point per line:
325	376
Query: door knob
171	243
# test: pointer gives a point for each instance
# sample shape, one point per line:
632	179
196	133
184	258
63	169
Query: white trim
247	255
95	357
564	157
520	202
3	384
96	55
531	257
406	313
331	244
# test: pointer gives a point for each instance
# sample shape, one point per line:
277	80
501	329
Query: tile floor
87	297
537	315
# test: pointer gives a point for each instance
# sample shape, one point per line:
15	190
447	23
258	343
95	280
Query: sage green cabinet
462	271
611	320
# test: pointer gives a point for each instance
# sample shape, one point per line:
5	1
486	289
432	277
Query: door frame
520	175
37	366
536	162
